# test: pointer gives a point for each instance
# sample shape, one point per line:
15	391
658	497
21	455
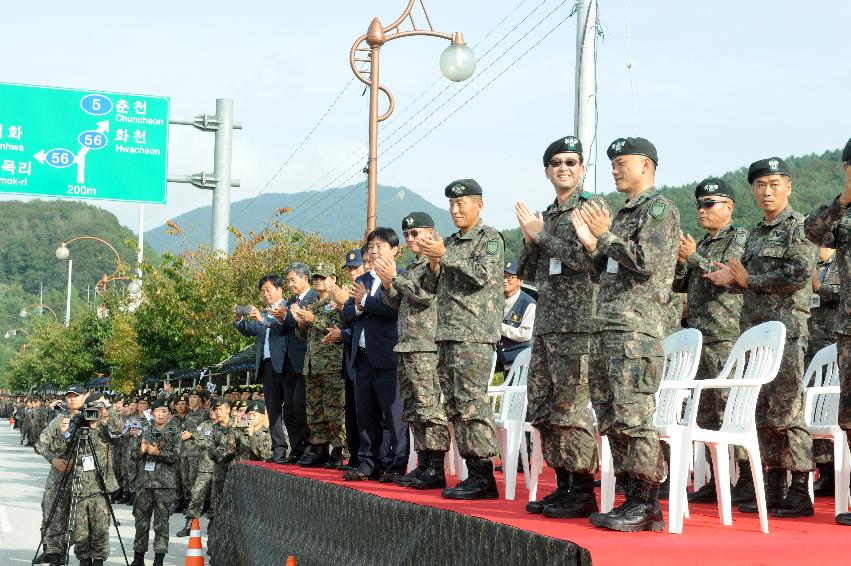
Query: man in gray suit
269	364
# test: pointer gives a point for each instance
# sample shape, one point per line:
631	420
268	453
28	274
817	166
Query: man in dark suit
269	363
295	401
374	335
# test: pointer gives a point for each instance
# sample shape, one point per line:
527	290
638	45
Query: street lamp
14	332
63	253
457	63
41	306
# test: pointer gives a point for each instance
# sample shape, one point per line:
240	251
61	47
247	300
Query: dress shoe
314	457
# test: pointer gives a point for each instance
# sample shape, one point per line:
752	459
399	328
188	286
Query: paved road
22	476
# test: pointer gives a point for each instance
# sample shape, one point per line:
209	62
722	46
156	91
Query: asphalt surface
22	477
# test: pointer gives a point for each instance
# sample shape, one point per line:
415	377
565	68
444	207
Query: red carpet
704	540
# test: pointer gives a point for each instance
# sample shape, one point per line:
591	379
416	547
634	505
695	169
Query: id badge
555	266
150	466
815	301
88	463
612	266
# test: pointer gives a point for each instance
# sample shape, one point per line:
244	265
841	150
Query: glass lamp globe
62	252
458	62
134	287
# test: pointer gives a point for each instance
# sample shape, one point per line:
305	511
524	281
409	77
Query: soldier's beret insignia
657	209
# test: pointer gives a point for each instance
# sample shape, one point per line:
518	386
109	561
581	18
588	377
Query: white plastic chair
510	423
753	362
821	412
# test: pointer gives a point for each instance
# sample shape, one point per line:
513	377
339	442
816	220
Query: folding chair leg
721	465
678	476
535	465
759	484
607	476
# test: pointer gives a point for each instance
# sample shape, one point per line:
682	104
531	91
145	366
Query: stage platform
271	511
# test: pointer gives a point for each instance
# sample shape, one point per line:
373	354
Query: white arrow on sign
40	156
103	126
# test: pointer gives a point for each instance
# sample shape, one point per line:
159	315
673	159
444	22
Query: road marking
5	523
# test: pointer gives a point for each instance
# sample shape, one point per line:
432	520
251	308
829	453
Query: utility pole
585	116
68	300
220	180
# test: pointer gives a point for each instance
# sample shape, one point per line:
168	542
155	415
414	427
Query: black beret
217	401
714	187
417	220
159	404
462	188
569	144
184	398
846	153
257	407
768	166
632	146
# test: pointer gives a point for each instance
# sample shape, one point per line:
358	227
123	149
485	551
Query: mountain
335	214
816	179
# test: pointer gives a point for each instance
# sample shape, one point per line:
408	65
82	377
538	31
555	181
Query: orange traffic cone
195	553
291	561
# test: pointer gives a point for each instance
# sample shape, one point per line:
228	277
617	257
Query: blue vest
508	349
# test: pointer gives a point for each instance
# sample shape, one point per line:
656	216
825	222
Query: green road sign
83	144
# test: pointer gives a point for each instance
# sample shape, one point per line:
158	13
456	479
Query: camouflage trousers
91	528
199	494
710	414
55	533
326	408
188	467
419	389
156	503
558	397
843	346
624	373
784	440
463	369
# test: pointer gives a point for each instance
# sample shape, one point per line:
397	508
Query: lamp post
14	332
457	63
63	253
41	306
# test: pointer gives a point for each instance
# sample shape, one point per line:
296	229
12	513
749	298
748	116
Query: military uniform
419	387
558	393
204	468
256	446
323	387
156	487
189	451
91	511
51	444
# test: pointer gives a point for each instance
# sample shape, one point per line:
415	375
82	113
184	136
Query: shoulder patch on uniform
799	230
492	247
586	195
741	237
657	209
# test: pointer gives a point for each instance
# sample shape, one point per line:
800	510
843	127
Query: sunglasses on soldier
556	163
410	233
708	203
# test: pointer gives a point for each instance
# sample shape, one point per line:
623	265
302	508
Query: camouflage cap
462	188
569	144
767	166
714	187
632	146
322	270
417	220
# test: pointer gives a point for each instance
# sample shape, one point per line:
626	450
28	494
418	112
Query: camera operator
52	447
158	453
253	441
91	513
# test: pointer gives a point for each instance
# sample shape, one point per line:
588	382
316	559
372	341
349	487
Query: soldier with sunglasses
713	310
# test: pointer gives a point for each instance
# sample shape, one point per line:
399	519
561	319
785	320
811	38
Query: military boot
707	493
640	511
433	477
97	562
844	519
775	491
138	559
187	528
422	464
480	483
562	489
335	459
85	562
744	490
797	502
580	501
823	486
315	457
158	558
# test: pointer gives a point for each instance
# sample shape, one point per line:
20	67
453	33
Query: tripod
79	442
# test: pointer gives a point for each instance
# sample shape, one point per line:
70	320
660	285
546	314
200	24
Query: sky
715	85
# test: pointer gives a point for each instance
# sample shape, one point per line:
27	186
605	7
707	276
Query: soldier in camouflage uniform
203	469
714	311
52	447
178	420
824	319
157	454
253	441
419	387
465	275
830	226
222	449
134	424
190	453
323	387
775	275
91	511
555	262
636	253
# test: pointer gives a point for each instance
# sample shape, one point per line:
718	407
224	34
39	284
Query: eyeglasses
410	233
556	163
708	203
